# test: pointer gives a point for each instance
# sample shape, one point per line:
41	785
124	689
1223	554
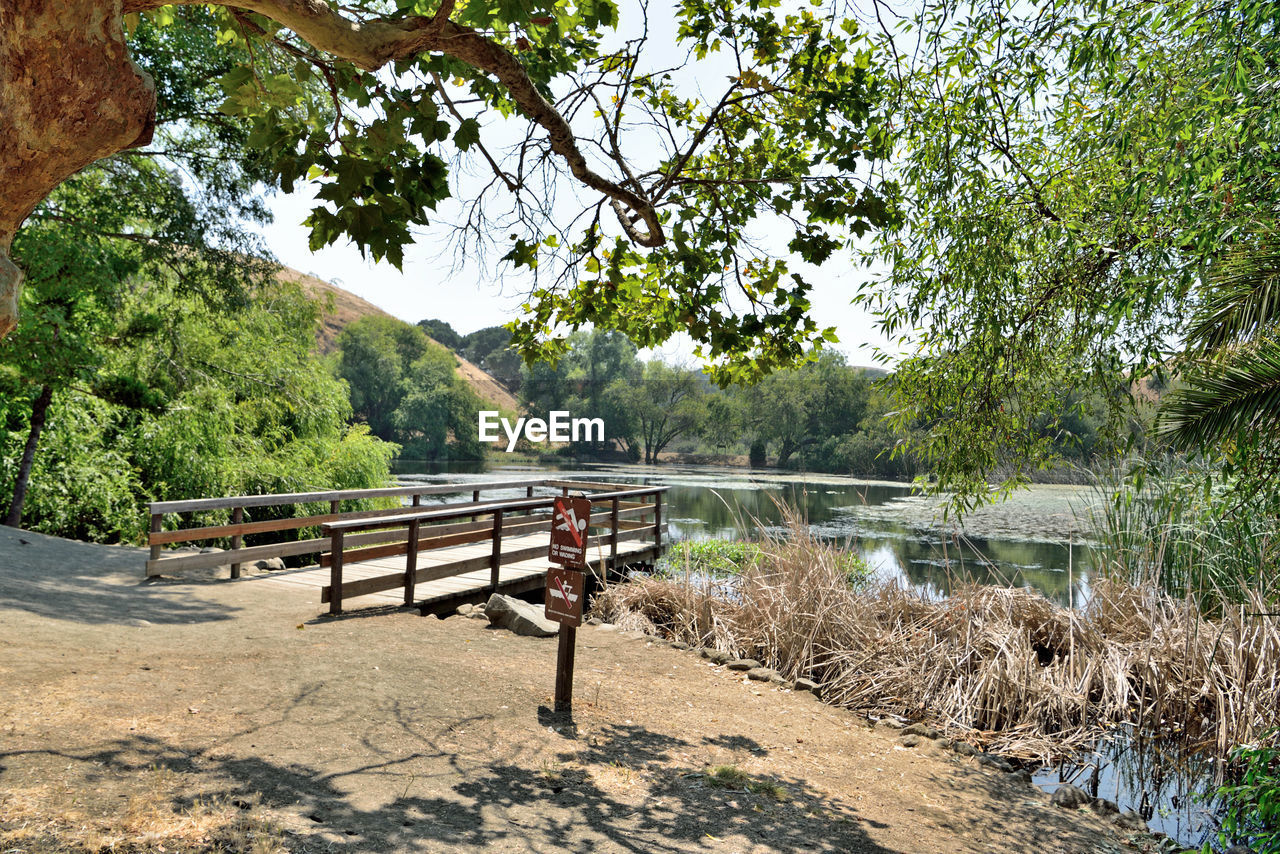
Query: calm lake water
1038	538
1034	540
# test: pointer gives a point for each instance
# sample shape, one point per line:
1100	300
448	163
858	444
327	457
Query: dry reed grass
1003	667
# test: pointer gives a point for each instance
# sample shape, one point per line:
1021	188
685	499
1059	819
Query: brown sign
566	588
569	520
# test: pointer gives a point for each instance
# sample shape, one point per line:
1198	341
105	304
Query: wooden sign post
567	586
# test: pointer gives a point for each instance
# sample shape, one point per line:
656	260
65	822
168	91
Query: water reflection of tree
722	508
940	563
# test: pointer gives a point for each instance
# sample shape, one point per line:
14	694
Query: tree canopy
404	387
647	199
1070	171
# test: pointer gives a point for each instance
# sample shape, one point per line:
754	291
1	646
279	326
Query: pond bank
1004	668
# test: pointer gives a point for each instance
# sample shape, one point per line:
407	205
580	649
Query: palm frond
1234	396
1243	299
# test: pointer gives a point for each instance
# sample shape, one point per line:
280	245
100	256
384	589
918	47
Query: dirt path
394	732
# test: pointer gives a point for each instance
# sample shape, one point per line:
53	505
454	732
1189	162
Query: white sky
469	298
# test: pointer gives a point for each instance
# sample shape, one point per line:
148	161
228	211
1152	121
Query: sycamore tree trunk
39	410
69	95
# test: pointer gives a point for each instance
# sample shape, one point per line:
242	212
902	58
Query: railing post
333	507
237	517
613	544
528	493
657	524
411	562
475	499
335	573
157	522
495	559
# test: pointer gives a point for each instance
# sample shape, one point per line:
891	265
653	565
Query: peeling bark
69	95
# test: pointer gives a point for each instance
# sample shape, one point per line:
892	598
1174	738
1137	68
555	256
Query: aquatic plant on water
721	557
709	557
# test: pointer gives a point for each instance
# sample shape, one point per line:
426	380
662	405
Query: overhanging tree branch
374	43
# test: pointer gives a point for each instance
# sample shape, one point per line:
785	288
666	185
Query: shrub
1251	807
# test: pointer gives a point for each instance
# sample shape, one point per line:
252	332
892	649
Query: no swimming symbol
570	519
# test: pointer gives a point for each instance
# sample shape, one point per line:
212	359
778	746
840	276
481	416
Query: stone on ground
519	616
1130	820
1070	797
765	674
997	762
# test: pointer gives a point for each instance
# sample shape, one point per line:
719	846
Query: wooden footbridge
408	545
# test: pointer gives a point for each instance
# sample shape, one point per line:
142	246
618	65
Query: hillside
347	308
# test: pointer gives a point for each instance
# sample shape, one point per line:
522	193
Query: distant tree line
822	416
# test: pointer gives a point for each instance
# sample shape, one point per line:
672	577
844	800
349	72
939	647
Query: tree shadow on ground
1045	828
585	805
91	583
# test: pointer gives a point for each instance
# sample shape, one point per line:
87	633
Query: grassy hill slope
345	307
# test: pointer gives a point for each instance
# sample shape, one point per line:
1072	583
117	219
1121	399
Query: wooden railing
238	554
422	530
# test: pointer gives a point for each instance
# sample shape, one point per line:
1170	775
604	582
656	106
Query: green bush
82	485
248	408
1251	806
